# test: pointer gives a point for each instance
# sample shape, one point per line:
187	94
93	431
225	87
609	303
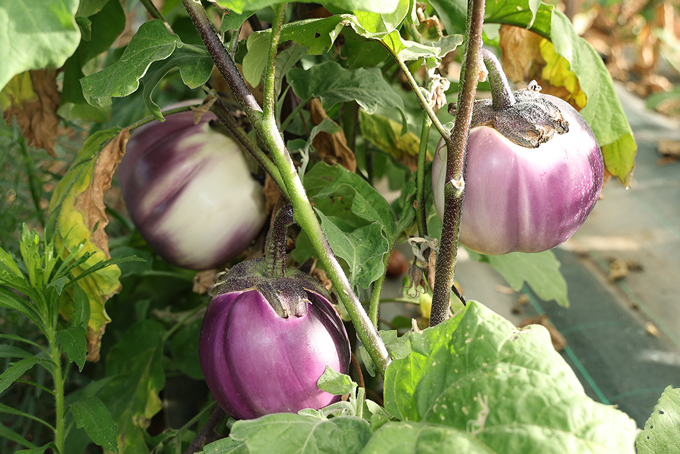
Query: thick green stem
456	148
304	213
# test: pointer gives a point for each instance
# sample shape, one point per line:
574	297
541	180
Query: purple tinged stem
276	249
456	148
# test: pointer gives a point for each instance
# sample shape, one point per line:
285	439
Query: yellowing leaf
520	52
33	98
78	210
557	72
385	134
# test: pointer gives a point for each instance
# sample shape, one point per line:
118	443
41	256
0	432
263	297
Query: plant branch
222	59
153	11
454	188
424	103
421	212
305	215
151	118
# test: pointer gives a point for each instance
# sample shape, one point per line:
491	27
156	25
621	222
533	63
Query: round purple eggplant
523	196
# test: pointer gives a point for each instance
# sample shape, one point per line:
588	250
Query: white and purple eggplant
268	335
534	171
189	192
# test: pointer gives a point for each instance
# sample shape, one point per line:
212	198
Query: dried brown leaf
34	99
618	269
669	148
520	52
332	148
203	280
91	201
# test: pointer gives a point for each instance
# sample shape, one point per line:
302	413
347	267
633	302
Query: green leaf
603	111
256	59
15	371
74	344
226	446
233	20
410	50
10	351
195	68
36	35
358	221
377	25
377	6
662	430
137	376
421	438
509	388
81	307
397	346
106	26
540	270
91	414
529	14
184	349
151	43
363	249
6	432
285	433
336	383
333	84
386	134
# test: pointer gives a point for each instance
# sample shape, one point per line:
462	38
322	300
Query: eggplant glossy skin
189	192
256	362
525	199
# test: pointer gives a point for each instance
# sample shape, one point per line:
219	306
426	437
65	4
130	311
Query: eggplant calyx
524	117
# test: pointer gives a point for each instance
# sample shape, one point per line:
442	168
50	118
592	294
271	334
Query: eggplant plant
325	97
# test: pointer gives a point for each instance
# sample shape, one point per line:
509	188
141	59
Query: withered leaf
80	214
332	148
33	98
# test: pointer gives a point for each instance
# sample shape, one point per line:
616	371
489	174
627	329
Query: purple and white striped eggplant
526	189
267	337
189	192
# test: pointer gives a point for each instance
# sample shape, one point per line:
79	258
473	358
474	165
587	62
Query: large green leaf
509	388
420	438
106	26
36	35
285	433
151	43
540	270
378	25
662	429
137	374
377	6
